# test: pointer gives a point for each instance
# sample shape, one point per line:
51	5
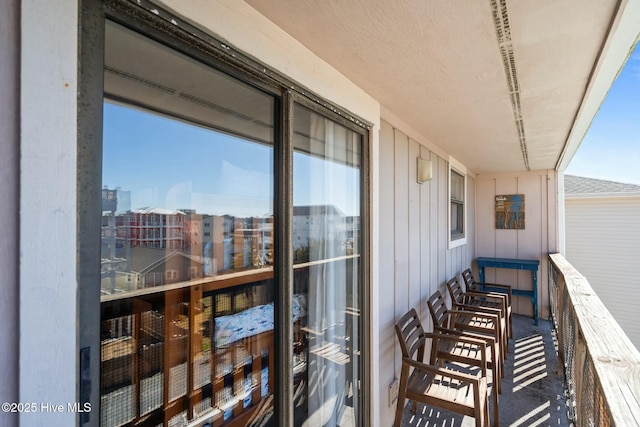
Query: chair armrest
460	376
456	338
499	288
493	317
470	344
490	296
489	340
483	310
505	297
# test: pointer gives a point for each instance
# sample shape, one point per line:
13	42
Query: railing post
579	360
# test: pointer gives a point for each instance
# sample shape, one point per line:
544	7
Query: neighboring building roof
575	185
159	211
145	259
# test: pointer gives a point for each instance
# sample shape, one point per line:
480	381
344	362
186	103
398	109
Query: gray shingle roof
581	185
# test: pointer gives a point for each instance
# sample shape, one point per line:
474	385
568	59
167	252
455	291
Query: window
188	354
457	206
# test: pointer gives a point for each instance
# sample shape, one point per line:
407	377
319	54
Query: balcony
579	368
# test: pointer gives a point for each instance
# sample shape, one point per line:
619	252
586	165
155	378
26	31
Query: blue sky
174	165
611	148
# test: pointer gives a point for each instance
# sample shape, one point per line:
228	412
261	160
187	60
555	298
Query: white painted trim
453	163
48	181
461	169
602	196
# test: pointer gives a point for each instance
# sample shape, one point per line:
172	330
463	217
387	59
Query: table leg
535	296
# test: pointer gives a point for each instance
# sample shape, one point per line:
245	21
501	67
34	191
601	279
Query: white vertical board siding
413	235
415	279
401	222
434	233
471	224
485	222
534	242
602	243
388	351
426	260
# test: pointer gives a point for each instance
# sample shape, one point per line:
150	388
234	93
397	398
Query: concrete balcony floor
532	391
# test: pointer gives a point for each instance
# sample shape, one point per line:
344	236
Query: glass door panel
326	246
187	236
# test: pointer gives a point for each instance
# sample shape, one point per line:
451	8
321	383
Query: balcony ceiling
496	85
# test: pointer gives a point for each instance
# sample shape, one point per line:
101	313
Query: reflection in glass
187	235
326	245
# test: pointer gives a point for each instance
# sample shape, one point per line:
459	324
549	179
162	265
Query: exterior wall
414	260
534	242
48	178
9	194
602	236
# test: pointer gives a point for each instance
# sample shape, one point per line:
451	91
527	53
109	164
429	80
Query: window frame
460	238
156	23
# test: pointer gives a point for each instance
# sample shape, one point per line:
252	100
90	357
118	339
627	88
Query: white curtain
333	281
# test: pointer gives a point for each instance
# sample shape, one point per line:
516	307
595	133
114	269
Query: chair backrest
455	290
469	281
410	334
437	308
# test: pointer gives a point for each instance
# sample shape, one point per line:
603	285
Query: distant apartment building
151	228
154	246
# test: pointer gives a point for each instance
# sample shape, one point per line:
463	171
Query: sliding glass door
192	279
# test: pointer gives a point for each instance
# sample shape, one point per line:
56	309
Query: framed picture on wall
510	212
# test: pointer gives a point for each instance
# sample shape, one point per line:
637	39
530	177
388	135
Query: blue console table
517	264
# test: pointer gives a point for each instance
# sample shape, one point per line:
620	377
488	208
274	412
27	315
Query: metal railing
600	364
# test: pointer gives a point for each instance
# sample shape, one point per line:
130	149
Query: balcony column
48	334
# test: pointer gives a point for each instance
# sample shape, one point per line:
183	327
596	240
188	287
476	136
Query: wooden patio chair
472	324
436	386
490	288
482	302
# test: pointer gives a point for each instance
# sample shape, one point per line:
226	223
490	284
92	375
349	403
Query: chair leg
402	393
510	326
495	407
486	414
497	379
399	411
